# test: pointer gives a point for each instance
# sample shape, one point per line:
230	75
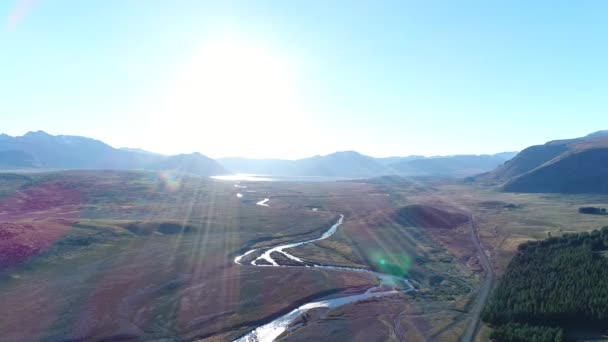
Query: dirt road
484	290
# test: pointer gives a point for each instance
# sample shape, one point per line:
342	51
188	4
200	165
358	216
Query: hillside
194	163
338	164
259	166
562	166
40	149
576	172
451	166
16	159
342	164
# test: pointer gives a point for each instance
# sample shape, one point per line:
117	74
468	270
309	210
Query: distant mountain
564	166
392	160
280	167
139	150
195	163
598	134
505	155
74	152
15	159
353	164
340	164
45	151
451	166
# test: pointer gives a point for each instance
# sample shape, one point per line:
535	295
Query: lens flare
395	264
169	181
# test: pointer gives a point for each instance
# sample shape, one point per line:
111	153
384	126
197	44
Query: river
270	331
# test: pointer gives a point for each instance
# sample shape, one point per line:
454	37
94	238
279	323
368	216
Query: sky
291	79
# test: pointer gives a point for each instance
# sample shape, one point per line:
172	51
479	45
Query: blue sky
297	78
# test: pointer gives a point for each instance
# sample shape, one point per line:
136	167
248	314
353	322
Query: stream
272	330
264	202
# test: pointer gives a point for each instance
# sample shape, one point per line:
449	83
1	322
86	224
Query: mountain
16	159
339	164
194	163
598	134
45	151
280	167
450	166
71	152
580	172
392	160
139	150
74	152
577	165
353	164
342	164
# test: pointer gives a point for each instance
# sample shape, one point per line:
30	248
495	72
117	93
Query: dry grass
537	216
135	259
99	275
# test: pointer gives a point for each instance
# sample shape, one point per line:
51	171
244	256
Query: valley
142	255
296	171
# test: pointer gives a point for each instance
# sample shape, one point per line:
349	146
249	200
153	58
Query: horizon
253	158
269	80
309	156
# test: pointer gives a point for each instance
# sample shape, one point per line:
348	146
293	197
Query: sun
237	86
232	96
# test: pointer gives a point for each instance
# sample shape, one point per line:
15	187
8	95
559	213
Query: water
281	249
237	260
242	177
270	331
274	329
263	202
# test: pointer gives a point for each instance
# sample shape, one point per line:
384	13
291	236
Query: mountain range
40	150
354	164
577	165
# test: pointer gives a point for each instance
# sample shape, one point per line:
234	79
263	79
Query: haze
270	79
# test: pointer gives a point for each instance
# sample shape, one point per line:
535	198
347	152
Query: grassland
505	220
444	264
136	255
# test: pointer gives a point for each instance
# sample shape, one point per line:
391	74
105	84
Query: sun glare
236	88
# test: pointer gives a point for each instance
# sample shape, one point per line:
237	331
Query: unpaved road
482	294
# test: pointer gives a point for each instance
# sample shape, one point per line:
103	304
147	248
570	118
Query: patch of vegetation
558	282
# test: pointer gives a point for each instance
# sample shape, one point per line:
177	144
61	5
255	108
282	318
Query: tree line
552	285
592	211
